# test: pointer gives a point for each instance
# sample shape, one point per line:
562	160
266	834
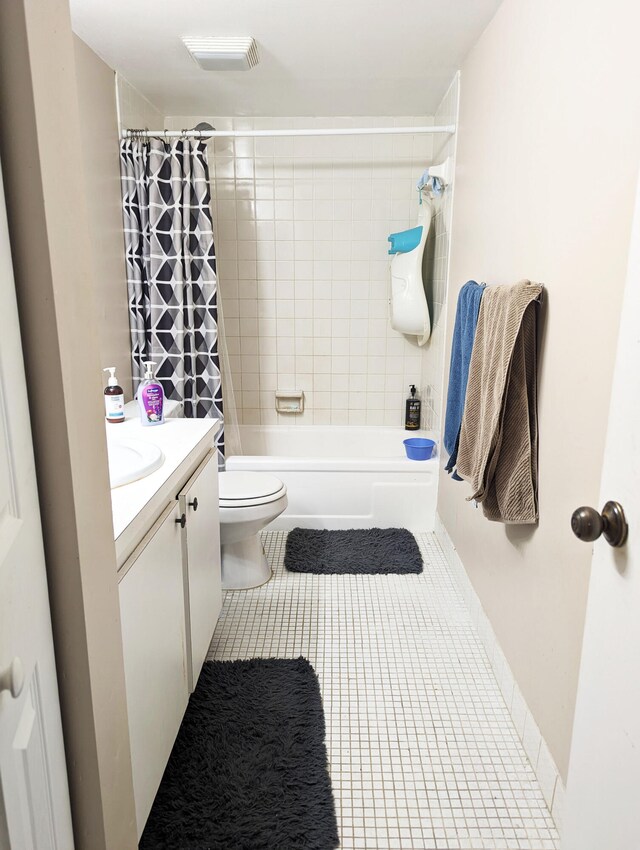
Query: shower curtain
171	271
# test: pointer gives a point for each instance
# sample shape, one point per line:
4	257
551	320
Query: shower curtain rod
235	134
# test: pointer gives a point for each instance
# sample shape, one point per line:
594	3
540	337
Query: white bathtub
343	476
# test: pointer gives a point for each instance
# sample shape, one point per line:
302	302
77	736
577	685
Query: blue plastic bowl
417	448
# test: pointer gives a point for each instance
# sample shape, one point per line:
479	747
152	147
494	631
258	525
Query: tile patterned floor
422	749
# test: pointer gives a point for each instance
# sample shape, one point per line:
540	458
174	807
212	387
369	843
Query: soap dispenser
412	411
150	398
113	398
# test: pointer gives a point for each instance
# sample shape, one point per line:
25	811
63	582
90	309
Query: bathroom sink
130	460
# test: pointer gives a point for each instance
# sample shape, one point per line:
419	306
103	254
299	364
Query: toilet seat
249	489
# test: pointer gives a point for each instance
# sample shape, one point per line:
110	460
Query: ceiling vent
223	53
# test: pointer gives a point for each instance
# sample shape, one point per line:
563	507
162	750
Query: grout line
422	750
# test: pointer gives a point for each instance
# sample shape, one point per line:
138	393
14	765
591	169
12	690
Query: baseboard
526	727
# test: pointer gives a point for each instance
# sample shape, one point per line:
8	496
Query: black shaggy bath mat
359	550
248	770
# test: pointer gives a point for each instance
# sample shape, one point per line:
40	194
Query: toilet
249	501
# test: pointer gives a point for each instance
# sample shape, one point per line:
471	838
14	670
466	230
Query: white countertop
177	438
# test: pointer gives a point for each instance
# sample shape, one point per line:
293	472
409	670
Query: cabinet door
154	645
201	556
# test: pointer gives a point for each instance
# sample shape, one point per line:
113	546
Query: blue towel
464	332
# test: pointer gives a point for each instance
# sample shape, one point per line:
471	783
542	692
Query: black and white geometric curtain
171	271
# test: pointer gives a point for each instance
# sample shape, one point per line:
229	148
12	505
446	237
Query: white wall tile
134	110
547	774
557	806
518	711
532	740
301	226
431	385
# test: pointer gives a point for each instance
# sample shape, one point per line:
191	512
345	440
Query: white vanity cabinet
199	504
155	653
168	548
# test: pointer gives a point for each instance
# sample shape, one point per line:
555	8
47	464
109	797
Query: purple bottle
150	398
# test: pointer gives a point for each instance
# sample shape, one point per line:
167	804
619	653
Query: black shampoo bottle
412	411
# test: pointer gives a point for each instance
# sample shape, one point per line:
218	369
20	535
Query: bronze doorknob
587	524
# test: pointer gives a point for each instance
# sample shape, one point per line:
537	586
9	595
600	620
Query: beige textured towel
498	452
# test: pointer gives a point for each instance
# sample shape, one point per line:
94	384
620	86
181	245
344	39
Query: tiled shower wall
437	272
301	228
134	110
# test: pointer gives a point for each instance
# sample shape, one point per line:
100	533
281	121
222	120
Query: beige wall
548	151
54	272
99	151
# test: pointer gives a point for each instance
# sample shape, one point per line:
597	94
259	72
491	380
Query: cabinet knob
194	504
12	678
587	524
182	521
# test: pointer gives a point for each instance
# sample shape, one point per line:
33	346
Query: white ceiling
317	57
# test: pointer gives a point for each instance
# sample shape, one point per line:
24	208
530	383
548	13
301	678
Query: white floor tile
422	749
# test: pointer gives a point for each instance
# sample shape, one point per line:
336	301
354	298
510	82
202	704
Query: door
154	648
34	797
200	504
603	788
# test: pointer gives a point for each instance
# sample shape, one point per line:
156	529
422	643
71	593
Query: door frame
53	271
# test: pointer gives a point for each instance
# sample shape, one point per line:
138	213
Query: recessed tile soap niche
291	403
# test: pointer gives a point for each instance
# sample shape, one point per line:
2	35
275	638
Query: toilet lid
243	487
